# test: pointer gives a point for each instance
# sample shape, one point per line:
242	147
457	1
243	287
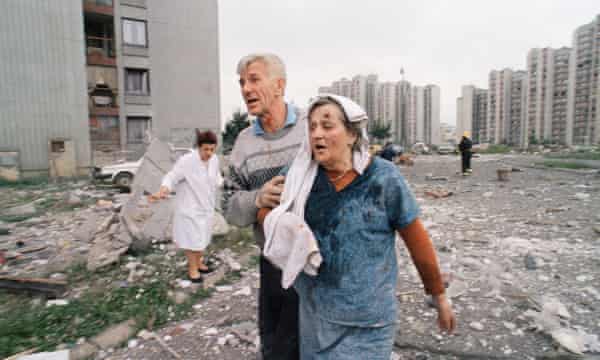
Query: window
137	128
104	129
137	82
57	146
134	32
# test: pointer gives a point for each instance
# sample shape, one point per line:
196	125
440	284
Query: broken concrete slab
110	242
220	226
21	210
56	355
114	335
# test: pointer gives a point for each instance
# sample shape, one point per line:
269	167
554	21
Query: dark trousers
277	316
466	160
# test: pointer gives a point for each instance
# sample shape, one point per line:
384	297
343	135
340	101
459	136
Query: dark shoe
197	280
207	271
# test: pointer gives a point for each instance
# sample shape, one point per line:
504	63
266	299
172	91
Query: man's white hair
275	66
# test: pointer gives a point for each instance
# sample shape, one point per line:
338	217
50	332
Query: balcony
103	101
104	7
101	51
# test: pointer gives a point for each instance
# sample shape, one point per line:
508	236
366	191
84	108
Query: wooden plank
52	288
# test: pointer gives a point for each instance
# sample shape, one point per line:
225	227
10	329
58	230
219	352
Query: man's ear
281	86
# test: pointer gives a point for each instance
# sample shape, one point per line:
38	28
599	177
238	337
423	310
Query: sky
442	42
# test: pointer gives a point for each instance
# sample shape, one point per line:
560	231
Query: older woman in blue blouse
348	310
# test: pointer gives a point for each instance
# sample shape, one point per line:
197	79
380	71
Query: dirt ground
510	248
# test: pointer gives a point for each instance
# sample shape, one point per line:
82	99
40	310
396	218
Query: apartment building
547	94
387	105
583	114
358	92
416	116
413	112
515	131
498	109
472	113
90	79
372	108
400	130
43	98
431	114
342	87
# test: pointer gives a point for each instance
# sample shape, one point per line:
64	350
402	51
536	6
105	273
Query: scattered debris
438	194
56	355
51	288
582	196
431	177
503	174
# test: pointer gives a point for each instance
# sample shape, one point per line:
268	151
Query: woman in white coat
195	178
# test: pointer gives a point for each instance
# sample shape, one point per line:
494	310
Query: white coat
195	182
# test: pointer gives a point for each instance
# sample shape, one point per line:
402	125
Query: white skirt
192	232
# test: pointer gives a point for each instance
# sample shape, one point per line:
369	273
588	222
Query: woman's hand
446	318
162	193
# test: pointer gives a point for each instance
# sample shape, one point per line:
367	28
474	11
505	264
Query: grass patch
254	261
26	182
496	149
564	164
576	155
27	323
15	218
229	278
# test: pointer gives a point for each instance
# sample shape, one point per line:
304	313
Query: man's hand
446	318
270	194
162	193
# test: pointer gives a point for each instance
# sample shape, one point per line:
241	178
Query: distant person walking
465	146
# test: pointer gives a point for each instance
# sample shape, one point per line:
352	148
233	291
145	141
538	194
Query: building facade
98	76
431	114
547	95
403	95
43	97
584	94
515	131
412	112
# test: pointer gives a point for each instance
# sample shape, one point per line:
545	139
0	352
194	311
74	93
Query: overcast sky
444	42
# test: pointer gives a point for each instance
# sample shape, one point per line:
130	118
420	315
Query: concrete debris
431	177
476	325
438	194
108	245
582	196
569	339
55	355
245	291
530	262
58	302
26	209
226	256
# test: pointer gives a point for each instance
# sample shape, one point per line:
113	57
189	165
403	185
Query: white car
122	173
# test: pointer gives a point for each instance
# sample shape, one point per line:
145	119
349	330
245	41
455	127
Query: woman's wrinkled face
206	151
330	141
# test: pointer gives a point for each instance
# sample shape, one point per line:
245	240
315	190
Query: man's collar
289	120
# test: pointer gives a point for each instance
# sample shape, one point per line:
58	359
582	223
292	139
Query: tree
380	131
235	125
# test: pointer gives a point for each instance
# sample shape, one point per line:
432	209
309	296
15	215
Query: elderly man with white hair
260	152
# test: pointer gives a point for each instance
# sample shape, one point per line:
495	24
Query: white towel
289	243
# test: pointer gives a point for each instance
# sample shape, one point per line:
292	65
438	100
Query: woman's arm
171	179
423	256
